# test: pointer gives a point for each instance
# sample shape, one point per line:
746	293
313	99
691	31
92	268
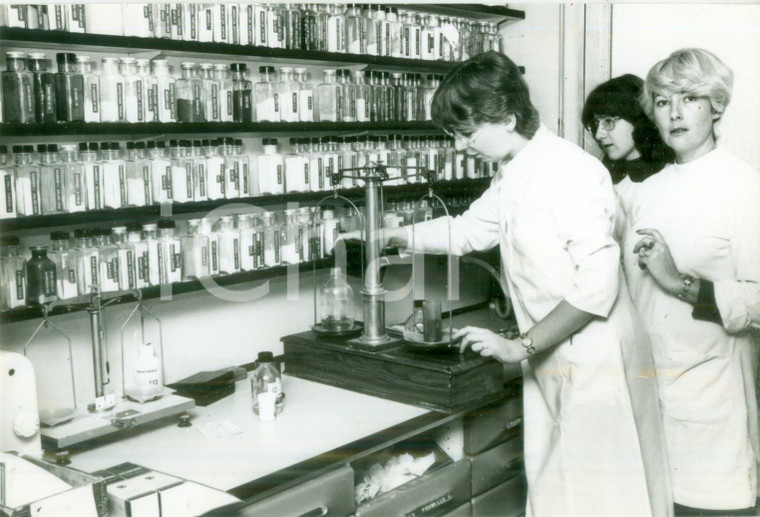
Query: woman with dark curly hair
633	148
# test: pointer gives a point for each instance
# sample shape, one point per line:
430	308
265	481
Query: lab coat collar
534	151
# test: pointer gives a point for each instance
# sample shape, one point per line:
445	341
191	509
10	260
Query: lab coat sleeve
738	299
584	208
476	229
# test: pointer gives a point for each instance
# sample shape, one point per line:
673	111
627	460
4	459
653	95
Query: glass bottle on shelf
363	96
399	97
271	168
195	252
88	262
41	283
18	90
372	36
28	193
462	51
114	175
44	89
307	236
134	91
231	168
65	265
316	166
69	89
149	90
229	246
108	255
190	95
247	24
347	159
323	17
266	94
336	302
429	50
169	253
266	379
52	180
181	171
348	96
200	171
216	169
163	18
305	95
103	18
411	97
242	108
329	98
91	89
138	20
162	190
13	283
141	254
395	160
226	89
377	111
330	157
288	95
272	240
206	228
394	45
336	28
221	18
329	232
244	227
7	186
290	243
211	101
356	29
290	26
94	193
206	23
445	50
309	32
382	30
150	237
274	28
127	261
136	183
165	96
390	97
244	170
144	167
112	92
296	169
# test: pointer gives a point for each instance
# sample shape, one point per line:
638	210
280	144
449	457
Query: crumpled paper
397	471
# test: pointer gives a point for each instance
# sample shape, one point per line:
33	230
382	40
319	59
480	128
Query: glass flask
336	302
44	89
69	89
18	90
13	285
242	108
195	252
190	95
267	96
91	89
329	98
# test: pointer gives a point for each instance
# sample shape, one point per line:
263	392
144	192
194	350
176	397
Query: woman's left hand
654	256
490	344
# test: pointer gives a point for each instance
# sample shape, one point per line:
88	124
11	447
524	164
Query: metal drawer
496	465
329	494
493	424
433	494
505	500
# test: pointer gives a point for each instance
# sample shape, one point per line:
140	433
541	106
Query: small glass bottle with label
7	186
65	264
13	285
266	380
114	175
28	192
18	90
247	185
216	169
200	171
271	168
108	254
136	183
229	246
150	90
91	89
44	89
305	95
195	252
141	255
232	168
190	106
289	89
244	227
69	89
211	100
41	284
356	28
127	261
138	20
363	96
206	228
52	180
160	173
348	96
242	108
88	263
94	191
226	90
112	92
329	98
150	238
165	96
134	91
169	253
272	240
296	169
181	171
266	94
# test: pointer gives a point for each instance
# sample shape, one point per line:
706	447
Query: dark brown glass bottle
41	280
18	90
69	89
44	89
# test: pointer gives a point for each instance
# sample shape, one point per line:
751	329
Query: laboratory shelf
109	130
79	304
470	10
152	212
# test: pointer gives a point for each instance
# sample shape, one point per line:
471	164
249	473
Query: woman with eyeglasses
694	273
593	440
632	146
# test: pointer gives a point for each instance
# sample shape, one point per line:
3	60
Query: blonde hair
690	70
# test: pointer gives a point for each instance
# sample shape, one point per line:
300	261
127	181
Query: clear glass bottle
329	232
112	92
200	170
142	255
348	96
216	168
181	171
144	166
399	97
94	192
390	97
244	170
103	18
308	236
290	242
28	192
377	108
383	30
347	159
52	180
13	285
166	95
65	265
247	24
108	255
316	166
266	93
336	28
430	41
244	227
211	101
232	169
150	238
373	30
266	378
335	303
190	106
271	168
323	17
242	108
91	89
136	184
206	23
88	262
226	90
305	95
274	28
169	257
309	30
330	98
134	91
206	228
69	89
18	90
41	283
290	25
149	89
162	190
394	47
114	176
7	186
221	18
195	252
296	169
44	89
272	240
356	30
229	245
127	261
163	28
465	40
288	96
138	20
363	97
412	96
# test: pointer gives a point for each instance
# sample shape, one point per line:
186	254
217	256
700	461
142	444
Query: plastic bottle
146	377
266	378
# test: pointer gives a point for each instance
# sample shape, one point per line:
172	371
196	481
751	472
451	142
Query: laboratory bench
306	460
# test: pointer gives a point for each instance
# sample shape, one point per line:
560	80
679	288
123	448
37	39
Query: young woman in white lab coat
695	278
593	437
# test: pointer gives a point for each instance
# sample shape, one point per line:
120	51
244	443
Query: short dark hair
486	88
619	97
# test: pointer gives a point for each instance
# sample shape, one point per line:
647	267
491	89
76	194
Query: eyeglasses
467	141
607	123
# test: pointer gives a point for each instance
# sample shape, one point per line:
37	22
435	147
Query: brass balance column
373	292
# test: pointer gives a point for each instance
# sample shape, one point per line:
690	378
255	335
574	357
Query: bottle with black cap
160	172
242	104
64	259
28	193
266	94
178	191
7	186
13	285
44	89
232	169
170	254
215	168
142	255
189	90
266	380
108	255
88	261
114	176
54	200
93	175
271	168
244	166
69	89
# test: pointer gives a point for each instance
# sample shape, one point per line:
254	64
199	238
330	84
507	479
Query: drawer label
430	506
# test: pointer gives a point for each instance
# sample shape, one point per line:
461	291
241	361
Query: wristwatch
527	344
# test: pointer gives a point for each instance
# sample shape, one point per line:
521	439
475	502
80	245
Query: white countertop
317	418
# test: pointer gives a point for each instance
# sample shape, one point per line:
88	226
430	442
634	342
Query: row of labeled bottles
369	29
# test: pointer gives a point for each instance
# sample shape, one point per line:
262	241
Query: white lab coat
593	436
708	211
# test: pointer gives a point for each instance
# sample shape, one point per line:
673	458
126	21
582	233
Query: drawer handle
316	512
